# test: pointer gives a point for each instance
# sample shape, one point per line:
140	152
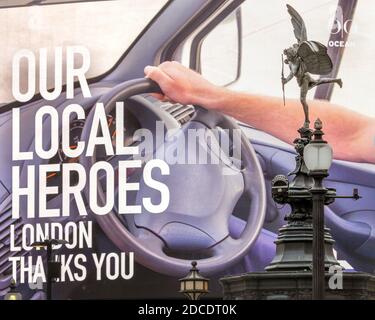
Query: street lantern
318	159
318	153
13	294
194	285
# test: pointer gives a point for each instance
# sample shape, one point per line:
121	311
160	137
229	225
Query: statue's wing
315	56
298	24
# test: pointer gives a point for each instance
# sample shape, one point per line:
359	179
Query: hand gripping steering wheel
202	200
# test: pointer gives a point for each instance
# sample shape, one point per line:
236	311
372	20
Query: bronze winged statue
305	58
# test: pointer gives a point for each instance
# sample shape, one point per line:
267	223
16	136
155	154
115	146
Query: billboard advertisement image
137	137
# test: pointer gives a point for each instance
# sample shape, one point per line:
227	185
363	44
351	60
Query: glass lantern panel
318	156
199	285
189	285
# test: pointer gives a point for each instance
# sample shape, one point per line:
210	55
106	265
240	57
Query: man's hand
183	85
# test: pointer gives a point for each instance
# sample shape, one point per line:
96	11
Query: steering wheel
202	200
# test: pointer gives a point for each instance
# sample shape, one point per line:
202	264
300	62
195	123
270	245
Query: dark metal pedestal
287	285
294	248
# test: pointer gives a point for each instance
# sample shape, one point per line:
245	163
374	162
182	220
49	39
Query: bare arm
289	77
351	134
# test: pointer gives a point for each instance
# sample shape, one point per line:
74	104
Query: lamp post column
49	279
318	197
318	159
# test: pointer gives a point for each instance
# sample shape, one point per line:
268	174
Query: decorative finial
13	284
318	125
318	133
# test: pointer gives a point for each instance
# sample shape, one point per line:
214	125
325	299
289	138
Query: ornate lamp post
53	267
305	240
13	294
294	243
318	160
303	244
194	286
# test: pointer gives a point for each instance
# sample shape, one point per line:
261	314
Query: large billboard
139	165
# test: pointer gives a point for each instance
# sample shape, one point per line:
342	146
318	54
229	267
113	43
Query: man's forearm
350	133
